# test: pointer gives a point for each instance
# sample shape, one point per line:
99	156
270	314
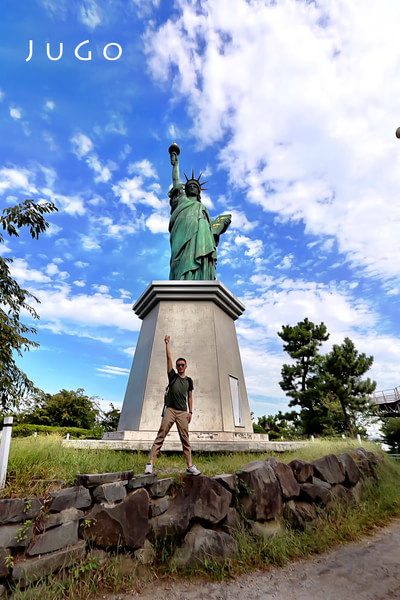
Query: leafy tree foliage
14	383
110	419
64	409
342	370
286	425
301	379
391	433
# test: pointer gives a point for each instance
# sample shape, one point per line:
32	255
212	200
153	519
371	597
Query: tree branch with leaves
14	335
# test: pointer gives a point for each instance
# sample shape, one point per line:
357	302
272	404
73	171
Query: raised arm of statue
174	152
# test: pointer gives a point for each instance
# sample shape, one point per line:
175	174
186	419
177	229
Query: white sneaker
148	469
192	471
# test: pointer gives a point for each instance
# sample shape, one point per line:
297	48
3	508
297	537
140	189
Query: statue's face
192	189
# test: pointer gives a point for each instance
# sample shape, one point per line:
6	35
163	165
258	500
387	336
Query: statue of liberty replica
198	313
194	237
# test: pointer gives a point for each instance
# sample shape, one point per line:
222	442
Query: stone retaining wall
38	536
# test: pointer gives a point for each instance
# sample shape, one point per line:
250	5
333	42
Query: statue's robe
193	246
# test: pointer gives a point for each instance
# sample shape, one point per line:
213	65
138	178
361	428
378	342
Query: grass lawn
35	462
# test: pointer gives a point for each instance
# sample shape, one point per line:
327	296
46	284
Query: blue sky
288	108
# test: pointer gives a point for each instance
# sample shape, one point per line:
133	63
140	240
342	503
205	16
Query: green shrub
258	428
26	430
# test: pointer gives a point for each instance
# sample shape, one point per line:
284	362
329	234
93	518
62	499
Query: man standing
180	393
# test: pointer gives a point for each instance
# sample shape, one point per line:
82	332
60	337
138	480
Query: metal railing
386	396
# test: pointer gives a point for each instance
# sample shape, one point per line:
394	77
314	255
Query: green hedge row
26	429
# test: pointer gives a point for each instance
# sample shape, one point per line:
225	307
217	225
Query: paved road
367	570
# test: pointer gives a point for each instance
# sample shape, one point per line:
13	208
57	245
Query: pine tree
342	370
301	379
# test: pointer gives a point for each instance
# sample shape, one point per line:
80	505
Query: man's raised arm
168	352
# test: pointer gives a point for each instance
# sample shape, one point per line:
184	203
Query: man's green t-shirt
178	391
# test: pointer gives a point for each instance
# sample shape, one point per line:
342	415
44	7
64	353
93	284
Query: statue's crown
197	181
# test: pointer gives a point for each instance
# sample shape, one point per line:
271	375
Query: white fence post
5	449
359	438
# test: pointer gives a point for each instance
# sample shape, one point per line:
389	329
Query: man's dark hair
181	358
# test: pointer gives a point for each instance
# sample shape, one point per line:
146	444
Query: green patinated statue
194	237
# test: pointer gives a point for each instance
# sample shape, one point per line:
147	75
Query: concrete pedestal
200	318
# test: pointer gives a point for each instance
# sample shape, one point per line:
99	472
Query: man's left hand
189	417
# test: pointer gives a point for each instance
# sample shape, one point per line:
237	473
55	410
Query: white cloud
82	145
306	120
157	223
79	283
2	95
286	262
103	289
90	243
103	172
144	168
63	309
114	370
116	125
89	14
16	179
73	205
53	229
240	220
254	247
15	113
132	192
4	249
50	105
81	264
22	272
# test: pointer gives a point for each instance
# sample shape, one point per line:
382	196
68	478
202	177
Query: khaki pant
171	416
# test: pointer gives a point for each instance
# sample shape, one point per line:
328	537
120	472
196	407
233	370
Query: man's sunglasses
181	365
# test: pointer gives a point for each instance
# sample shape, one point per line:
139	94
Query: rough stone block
161	488
299	514
284	474
158	507
351	471
228	481
233	521
311	492
110	492
15	510
262	498
302	471
357	491
146	554
75	497
199	498
65	516
267	529
200	543
55	539
28	570
95	479
124	524
4	570
339	493
141	481
15	536
329	469
320	482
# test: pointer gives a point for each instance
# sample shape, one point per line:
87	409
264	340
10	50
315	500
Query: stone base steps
197	445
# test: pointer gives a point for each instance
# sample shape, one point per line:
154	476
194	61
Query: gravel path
366	570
